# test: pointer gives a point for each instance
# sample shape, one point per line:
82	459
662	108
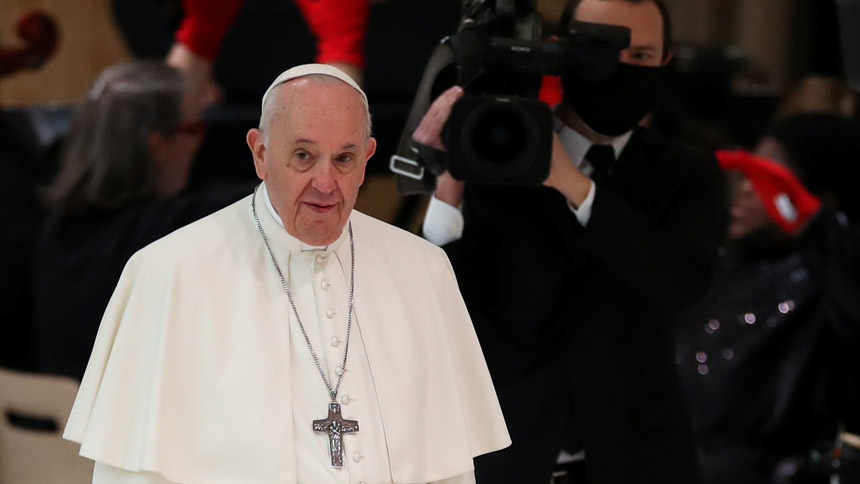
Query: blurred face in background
173	153
746	211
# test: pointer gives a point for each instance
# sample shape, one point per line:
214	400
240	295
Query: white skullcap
311	69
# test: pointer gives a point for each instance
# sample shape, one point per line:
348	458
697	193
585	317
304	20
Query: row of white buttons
320	258
335	341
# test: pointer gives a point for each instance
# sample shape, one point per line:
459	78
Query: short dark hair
572	5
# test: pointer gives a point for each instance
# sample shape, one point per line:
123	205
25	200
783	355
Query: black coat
581	318
769	357
78	261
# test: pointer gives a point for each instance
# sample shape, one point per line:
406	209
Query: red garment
784	197
339	26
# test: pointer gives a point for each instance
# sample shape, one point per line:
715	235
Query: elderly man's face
313	156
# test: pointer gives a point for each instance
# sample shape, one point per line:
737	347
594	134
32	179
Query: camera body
499	132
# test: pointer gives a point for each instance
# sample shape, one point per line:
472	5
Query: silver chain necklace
334	425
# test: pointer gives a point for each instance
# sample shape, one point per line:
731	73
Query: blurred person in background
338	26
24	157
123	168
768	359
819	94
21	216
822	149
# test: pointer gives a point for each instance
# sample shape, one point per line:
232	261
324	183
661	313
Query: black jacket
78	261
600	301
769	357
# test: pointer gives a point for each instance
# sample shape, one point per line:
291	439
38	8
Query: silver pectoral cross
335	426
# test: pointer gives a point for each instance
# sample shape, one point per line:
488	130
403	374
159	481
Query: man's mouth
320	207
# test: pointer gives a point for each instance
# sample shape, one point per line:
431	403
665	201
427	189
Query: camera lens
493	139
500	134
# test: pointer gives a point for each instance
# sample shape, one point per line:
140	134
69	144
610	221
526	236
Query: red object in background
785	198
40	35
338	26
551	91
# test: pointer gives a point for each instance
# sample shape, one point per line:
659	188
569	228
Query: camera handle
411	176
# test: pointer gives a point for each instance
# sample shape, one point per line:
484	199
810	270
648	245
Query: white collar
576	145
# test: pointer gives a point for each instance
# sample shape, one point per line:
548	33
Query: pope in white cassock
287	338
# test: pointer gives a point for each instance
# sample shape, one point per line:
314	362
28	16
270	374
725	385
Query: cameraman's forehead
643	18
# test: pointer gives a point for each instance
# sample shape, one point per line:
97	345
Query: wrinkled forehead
307	97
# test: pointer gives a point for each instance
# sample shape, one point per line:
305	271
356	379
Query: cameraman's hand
449	189
565	177
429	132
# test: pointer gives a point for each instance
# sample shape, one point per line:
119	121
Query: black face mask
615	105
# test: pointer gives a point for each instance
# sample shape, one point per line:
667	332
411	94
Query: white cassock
200	373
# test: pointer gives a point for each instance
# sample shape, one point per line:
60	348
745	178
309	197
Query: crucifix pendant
335	426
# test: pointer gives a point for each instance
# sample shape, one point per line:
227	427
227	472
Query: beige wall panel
89	42
764	29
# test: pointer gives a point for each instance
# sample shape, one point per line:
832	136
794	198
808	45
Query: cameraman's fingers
449	189
565	177
429	132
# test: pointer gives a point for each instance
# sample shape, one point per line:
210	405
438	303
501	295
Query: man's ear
255	140
371	146
371	149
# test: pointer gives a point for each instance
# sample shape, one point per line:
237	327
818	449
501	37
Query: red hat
786	200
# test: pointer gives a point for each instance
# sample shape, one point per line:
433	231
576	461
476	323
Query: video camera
498	131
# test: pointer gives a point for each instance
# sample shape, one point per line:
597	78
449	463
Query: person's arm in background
339	28
198	40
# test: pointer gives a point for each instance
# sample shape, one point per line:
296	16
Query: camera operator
574	286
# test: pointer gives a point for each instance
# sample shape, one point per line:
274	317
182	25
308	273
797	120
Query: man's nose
324	177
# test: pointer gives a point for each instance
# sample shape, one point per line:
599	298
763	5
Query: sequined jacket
769	358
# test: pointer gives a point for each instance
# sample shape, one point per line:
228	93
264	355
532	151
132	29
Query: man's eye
303	155
344	158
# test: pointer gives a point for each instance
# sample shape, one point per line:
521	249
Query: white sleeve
583	213
105	474
443	223
467	478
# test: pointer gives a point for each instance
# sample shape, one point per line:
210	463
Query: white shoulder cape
189	376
